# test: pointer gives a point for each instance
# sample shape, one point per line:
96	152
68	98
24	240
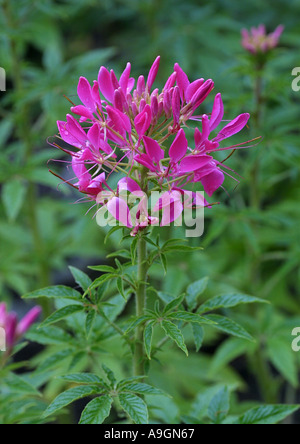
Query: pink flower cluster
258	41
126	126
14	330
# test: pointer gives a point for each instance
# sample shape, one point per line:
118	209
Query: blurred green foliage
251	240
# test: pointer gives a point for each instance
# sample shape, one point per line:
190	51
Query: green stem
141	301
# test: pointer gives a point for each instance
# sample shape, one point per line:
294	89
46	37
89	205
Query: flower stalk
141	304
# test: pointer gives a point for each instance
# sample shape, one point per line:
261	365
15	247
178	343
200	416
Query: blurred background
251	241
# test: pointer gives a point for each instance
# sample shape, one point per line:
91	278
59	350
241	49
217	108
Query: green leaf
268	414
17	384
164	262
228	301
142	389
135	407
148	335
194	291
230	327
13	196
49	336
198	333
137	323
55	360
97	411
82	279
184	316
103	268
120	286
110	375
173	332
228	351
90	319
72	395
174	304
61	314
284	359
84	378
54	293
219	406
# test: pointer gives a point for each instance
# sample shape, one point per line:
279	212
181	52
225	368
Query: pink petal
194	163
131	84
193	88
170	82
202	93
171	204
94	135
3	314
143	121
153	73
179	147
217	113
10	329
28	321
233	127
176	105
84	91
141	85
182	81
120	121
128	184
120	211
153	149
96	95
145	160
124	79
114	80
82	111
213	181
105	84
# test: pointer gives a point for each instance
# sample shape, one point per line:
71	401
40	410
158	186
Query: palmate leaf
97	411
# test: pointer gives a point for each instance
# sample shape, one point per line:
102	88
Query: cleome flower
14	330
125	127
258	41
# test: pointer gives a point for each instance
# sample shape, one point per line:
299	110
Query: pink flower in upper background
14	330
258	41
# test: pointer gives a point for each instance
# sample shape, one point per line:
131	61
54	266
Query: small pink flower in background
142	134
258	41
15	330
